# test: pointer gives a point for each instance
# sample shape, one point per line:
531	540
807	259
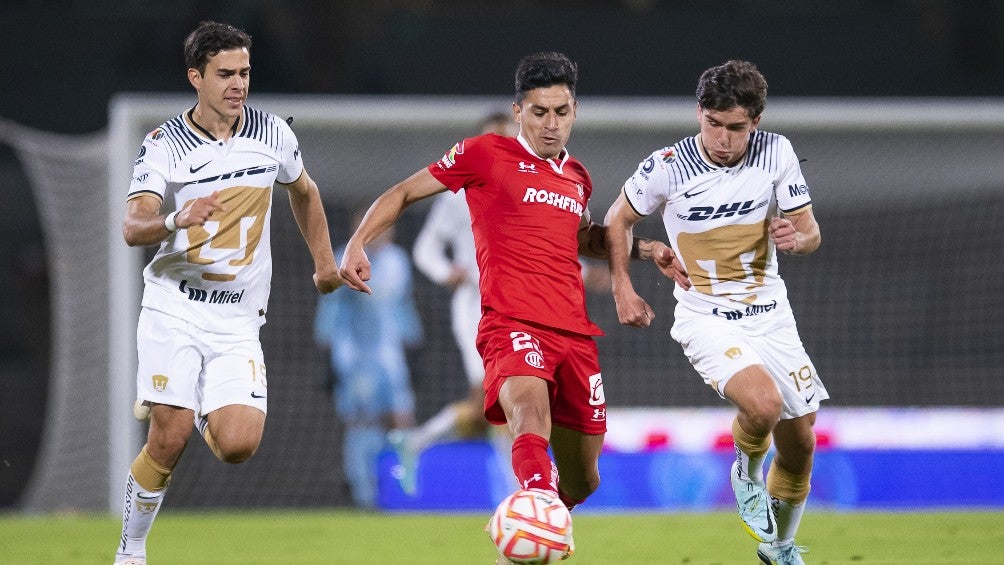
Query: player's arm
382	214
593	242
632	310
305	200
431	250
144	224
796	233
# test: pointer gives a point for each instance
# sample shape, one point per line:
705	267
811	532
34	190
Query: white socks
137	518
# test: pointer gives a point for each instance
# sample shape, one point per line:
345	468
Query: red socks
532	464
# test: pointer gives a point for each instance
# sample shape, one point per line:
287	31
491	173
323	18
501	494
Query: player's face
725	134
545	119
223	88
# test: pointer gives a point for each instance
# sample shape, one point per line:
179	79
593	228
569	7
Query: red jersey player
527	197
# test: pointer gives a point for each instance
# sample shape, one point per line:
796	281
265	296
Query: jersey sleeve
290	159
460	165
432	242
150	168
792	193
648	188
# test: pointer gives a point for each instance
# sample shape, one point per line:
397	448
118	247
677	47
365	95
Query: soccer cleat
754	506
406	470
130	561
787	554
571	549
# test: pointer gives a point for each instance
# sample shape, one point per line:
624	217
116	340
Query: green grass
332	537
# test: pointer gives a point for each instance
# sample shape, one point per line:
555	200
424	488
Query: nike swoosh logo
770	524
689	194
193	170
809	400
253	395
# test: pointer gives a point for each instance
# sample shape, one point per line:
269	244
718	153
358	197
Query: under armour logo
527	167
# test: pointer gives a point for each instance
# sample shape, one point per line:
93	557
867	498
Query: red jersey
525	214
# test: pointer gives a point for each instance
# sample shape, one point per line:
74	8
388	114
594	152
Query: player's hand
667	261
784	235
327	280
356	269
458	276
200	211
632	310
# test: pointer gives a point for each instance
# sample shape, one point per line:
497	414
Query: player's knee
239	453
764	413
231	448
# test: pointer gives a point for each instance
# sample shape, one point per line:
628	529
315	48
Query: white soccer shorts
183	365
718	348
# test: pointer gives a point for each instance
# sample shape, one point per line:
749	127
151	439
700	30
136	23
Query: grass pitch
337	536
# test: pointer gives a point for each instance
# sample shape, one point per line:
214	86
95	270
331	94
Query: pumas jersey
216	276
525	214
717	217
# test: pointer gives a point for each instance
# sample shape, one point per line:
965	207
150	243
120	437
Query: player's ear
195	78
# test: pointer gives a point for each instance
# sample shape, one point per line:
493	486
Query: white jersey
217	276
447	228
445	243
716	219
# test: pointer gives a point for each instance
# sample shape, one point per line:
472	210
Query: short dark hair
209	39
541	70
734	83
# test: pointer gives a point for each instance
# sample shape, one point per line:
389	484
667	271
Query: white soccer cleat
754	506
130	561
787	554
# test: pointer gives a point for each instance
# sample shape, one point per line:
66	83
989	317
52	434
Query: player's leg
788	484
149	476
234	432
167	377
758	405
524	400
577	456
465	417
363	404
758	408
740	377
794	438
233	396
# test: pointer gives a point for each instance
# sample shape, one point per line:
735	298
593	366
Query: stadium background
902	308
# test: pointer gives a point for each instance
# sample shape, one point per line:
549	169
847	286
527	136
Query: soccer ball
531	526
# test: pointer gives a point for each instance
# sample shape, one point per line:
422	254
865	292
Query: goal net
899	307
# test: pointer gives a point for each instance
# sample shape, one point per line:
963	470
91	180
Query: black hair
734	83
209	39
541	70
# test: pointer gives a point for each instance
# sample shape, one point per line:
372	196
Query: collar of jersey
555	164
202	132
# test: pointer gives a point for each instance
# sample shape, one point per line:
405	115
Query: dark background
63	59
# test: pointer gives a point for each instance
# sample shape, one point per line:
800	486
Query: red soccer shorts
569	362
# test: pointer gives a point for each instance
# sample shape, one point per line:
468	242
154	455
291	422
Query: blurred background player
528	202
444	252
206	290
731	197
366	336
